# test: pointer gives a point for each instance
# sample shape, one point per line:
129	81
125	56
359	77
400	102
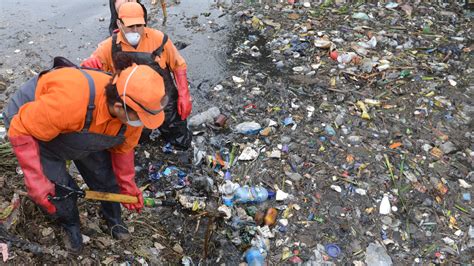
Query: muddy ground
260	63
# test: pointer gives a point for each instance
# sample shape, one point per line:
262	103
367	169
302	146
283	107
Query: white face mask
133	38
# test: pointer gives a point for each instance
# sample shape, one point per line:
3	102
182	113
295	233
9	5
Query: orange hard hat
142	89
131	13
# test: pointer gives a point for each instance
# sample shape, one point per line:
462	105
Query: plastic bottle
384	205
248	128
248	194
204	117
254	257
151	202
227	190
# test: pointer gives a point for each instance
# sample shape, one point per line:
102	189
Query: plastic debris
4	251
204	117
385	207
376	255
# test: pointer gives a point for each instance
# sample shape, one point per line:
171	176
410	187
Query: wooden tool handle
106	196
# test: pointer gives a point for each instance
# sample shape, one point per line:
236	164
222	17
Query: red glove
124	169
39	187
92	62
184	99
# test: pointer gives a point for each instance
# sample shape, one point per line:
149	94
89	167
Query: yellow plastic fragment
195	205
373	102
363	108
429	94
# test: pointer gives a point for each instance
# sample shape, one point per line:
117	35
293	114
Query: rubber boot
67	215
113	216
72	238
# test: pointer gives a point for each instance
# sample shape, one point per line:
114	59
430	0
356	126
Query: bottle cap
271	194
333	250
227	175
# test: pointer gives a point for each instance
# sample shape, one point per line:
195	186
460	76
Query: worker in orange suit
69	113
153	48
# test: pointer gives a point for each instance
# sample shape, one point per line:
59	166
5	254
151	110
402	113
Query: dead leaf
350	158
436	152
293	16
178	248
108	260
442	189
419	187
47	231
452	221
408	9
158	246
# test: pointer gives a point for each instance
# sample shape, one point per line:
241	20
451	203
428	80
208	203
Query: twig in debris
149	226
197	225
210	224
341	91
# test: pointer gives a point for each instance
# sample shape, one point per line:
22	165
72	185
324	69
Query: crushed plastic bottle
248	128
346	58
204	117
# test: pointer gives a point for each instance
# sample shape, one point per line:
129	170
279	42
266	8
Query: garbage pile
342	134
348	135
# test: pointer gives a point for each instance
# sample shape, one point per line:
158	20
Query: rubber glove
123	166
92	62
185	105
39	187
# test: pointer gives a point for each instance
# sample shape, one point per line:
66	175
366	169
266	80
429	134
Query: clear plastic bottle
227	190
254	257
204	117
248	194
248	128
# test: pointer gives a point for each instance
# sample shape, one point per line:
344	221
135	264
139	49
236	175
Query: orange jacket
149	42
60	106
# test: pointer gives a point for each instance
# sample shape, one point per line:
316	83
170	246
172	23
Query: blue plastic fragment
288	121
168	148
466	196
330	130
